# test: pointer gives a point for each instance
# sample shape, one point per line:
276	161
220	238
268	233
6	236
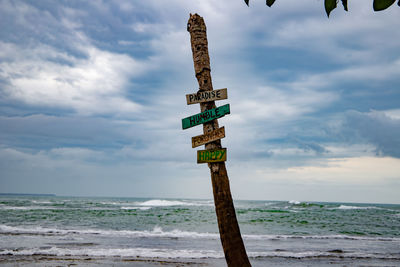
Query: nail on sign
206	96
205	116
216	155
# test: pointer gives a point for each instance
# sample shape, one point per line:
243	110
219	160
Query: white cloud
57	65
126	6
393	113
77	154
271	104
360	170
340	150
356	36
95	84
377	72
358	179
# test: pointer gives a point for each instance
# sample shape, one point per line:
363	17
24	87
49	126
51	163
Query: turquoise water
182	228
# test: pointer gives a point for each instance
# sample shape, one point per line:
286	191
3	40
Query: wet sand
42	260
46	260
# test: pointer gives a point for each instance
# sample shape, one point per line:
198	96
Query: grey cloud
374	127
312	146
45	132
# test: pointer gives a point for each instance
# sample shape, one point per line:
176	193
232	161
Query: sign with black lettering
208	137
206	96
215	155
205	116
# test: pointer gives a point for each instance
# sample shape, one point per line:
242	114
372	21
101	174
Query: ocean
291	232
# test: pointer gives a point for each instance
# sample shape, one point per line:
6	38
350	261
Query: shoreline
50	260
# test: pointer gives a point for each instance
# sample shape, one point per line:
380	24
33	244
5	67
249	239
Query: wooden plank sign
205	116
215	155
206	96
208	137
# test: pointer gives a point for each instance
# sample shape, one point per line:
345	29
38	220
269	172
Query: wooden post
231	239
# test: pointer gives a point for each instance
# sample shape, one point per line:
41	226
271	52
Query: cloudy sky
92	94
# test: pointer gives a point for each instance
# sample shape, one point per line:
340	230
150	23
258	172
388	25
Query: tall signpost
214	154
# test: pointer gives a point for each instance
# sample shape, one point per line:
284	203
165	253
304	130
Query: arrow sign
206	96
208	137
205	116
215	155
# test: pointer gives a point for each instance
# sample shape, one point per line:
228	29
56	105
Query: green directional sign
205	116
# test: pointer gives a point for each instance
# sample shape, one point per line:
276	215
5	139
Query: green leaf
270	2
247	2
344	3
329	6
382	4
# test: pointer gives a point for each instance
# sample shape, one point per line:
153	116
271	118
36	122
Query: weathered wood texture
209	137
206	116
205	96
215	155
231	239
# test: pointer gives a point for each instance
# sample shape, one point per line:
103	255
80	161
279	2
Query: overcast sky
92	94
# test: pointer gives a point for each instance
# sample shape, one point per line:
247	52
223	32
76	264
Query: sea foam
347	207
135	208
164	203
158	232
187	253
4	207
117	252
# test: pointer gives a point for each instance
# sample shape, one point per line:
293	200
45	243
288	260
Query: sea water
187	229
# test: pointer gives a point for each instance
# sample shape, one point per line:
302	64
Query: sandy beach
43	260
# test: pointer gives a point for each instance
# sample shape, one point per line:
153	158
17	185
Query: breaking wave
186	253
159	232
164	203
347	207
135	208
